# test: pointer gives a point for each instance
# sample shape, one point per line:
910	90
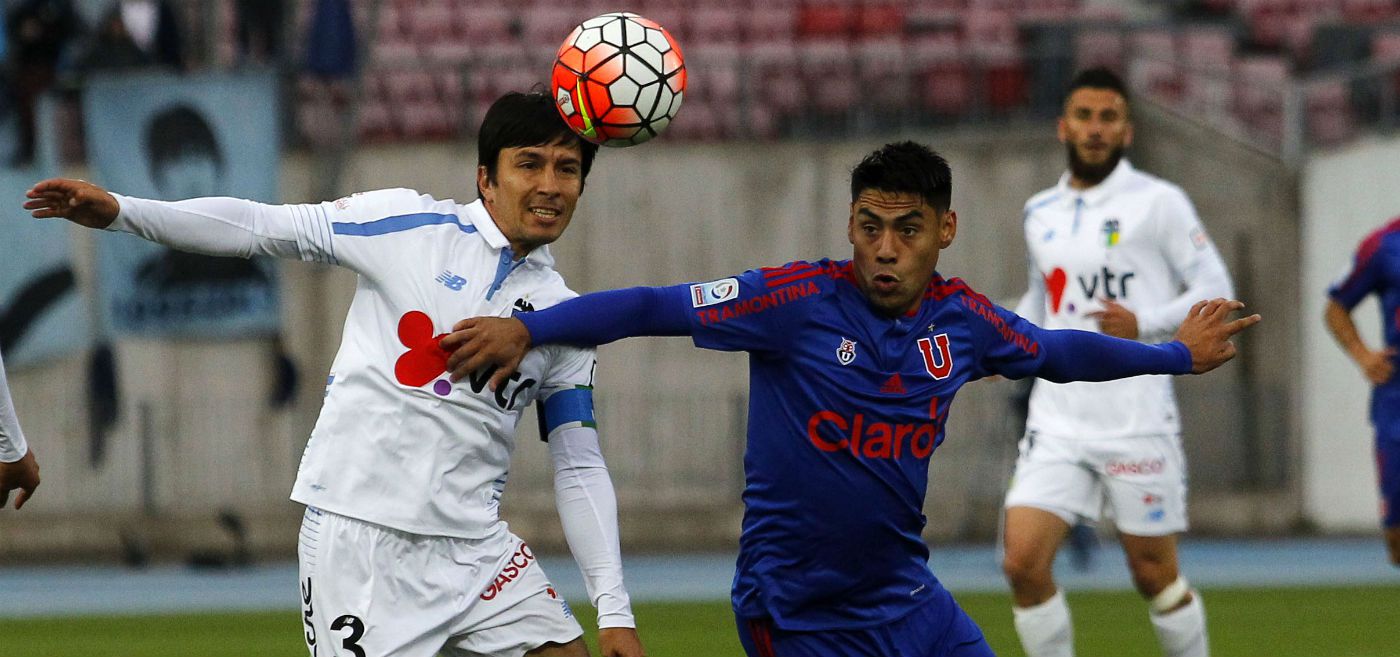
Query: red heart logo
425	359
1055	284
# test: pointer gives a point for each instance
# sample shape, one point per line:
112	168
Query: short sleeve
1007	342
757	310
1182	238
570	367
1362	279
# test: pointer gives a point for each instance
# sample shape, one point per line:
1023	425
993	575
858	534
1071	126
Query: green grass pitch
1305	622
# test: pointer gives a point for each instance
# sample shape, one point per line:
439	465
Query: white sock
1182	633
1045	629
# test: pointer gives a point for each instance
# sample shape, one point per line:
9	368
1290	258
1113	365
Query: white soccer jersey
1134	239
397	444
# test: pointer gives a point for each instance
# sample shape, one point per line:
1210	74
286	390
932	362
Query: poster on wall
43	314
172	137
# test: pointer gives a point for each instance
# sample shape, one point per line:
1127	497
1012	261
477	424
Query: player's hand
23	475
620	642
78	201
1116	320
485	342
1378	366
1207	332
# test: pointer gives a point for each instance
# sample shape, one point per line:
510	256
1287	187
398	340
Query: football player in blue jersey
853	368
1376	270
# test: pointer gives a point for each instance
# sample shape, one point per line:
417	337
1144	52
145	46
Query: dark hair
177	132
516	120
906	167
1097	78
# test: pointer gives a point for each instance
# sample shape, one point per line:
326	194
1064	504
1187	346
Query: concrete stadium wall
672	416
1346	195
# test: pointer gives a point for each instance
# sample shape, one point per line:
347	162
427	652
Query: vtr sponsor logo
868	437
1139	467
1104	283
519	561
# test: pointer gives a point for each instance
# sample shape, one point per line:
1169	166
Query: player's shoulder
1387	237
957	290
817	275
548	288
1142	183
392	202
1041	201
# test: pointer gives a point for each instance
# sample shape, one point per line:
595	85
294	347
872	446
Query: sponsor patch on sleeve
709	294
1198	237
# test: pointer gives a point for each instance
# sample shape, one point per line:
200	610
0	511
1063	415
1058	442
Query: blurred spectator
112	47
260	30
153	26
38	33
330	41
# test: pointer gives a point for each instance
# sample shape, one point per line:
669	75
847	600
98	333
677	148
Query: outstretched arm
219	226
1376	365
18	468
589	320
1202	344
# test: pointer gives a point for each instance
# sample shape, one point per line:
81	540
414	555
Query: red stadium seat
1099	47
825	20
769	24
1260	82
1329	116
715	25
884	19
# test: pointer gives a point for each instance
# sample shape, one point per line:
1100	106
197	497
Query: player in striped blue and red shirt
1376	270
853	367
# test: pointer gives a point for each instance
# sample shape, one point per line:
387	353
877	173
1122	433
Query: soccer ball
618	79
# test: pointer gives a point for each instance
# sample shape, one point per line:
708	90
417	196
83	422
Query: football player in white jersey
18	469
1121	252
402	553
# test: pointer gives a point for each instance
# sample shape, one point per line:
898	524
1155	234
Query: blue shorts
1388	467
928	631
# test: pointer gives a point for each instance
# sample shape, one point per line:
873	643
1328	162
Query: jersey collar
1099	193
486	227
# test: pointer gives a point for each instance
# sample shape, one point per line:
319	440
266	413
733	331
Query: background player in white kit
402	552
18	468
1114	250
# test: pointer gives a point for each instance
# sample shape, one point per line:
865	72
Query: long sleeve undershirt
603	317
12	444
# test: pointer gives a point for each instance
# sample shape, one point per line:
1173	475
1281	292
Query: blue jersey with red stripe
846	408
1376	270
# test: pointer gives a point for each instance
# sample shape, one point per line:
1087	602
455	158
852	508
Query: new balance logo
451	281
893	385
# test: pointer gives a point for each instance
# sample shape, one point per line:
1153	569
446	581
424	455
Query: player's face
534	193
1095	129
897	237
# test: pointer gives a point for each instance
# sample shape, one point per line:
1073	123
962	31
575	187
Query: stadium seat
1329	114
769	24
1099	47
884	19
1260	82
712	25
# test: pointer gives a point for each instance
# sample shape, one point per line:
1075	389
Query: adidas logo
893	385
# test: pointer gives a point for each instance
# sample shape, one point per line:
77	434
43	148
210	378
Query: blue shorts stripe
399	223
569	406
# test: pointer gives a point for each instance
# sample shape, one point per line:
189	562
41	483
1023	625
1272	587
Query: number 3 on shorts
357	630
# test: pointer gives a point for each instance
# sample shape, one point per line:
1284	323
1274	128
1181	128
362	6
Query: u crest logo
938	360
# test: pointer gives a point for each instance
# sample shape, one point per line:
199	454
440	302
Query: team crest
1111	231
846	353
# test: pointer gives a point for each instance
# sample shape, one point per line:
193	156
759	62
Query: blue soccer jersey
1376	269
846	408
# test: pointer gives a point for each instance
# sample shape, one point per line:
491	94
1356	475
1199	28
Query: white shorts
367	590
1141	479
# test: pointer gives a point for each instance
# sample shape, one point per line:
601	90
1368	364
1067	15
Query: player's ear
1128	134
1061	130
851	226
948	229
483	183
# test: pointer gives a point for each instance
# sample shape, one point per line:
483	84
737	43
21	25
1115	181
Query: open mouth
885	282
545	213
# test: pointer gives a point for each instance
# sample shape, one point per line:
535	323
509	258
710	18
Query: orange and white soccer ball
618	79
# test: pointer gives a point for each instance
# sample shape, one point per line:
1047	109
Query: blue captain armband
567	409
